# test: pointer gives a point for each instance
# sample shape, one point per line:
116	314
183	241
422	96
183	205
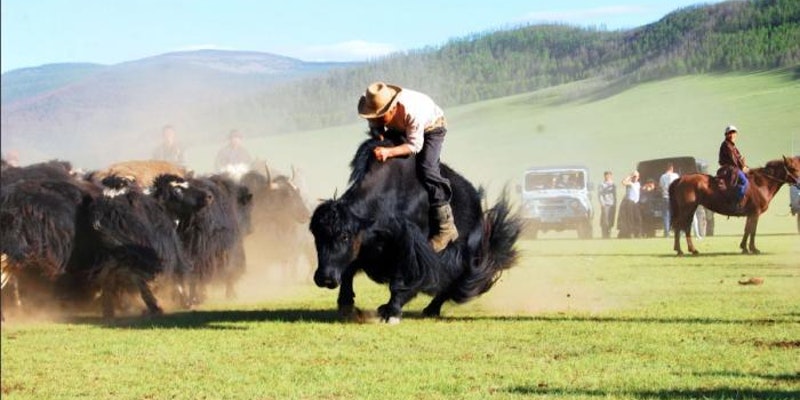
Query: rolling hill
106	113
71	110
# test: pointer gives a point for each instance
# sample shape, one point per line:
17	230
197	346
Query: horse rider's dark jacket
729	155
731	166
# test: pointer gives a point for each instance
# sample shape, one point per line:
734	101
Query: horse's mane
770	167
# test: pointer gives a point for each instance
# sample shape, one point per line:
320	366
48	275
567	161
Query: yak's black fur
213	236
280	217
137	242
380	226
43	214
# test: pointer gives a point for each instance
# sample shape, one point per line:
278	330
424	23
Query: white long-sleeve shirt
415	112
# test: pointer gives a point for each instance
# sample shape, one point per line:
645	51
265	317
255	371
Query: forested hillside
61	110
730	36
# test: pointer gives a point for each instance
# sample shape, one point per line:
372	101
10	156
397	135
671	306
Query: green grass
617	319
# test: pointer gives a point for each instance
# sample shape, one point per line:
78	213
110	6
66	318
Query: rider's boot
447	228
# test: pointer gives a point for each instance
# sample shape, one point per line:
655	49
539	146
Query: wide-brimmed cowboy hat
378	99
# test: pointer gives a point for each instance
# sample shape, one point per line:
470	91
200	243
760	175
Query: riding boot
447	228
740	205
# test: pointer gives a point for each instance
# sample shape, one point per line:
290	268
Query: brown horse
689	191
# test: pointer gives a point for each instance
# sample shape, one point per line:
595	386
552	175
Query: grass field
616	319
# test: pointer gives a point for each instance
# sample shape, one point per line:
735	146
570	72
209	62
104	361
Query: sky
38	32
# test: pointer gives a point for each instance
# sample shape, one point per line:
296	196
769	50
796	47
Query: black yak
41	207
136	243
380	226
280	217
213	236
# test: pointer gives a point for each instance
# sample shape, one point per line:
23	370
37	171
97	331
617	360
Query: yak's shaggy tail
492	250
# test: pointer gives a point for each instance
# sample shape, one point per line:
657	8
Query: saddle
727	179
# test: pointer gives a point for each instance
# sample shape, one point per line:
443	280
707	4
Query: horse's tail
492	250
673	205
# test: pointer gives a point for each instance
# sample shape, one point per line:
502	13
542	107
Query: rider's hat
377	100
730	128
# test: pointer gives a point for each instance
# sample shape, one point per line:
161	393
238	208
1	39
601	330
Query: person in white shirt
666	179
416	115
629	221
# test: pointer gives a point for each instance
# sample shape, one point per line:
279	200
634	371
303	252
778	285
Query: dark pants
607	215
428	172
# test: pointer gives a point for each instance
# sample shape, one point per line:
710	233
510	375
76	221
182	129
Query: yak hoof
387	315
429	313
347	310
393	320
695	252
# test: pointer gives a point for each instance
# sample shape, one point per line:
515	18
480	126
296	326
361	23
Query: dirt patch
785	344
541	285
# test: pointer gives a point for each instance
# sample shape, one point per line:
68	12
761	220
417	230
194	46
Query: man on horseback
732	167
422	122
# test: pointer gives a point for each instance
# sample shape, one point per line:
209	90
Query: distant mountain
76	111
71	109
30	82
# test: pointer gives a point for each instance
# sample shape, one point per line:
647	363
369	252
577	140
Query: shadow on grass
230	319
735	374
670	254
212	319
617	320
718	393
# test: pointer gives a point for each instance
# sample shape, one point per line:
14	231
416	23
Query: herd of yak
151	229
147	227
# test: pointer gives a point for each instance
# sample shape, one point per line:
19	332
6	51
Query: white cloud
353	50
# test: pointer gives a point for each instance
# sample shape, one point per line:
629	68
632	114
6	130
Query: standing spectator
607	194
666	179
233	158
629	221
169	149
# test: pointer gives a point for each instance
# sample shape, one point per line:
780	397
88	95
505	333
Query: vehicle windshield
554	180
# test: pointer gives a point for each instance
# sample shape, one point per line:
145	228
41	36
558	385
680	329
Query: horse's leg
753	227
677	241
743	243
689	242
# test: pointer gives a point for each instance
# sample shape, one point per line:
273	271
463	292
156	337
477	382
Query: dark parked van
652	207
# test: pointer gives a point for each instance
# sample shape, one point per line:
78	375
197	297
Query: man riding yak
732	168
391	108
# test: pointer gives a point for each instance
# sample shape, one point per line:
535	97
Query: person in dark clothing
421	120
731	161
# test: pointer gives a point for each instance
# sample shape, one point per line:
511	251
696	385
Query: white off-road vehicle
557	199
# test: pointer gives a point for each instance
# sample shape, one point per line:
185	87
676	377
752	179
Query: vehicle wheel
585	230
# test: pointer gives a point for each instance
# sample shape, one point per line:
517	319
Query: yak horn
269	175
294	172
